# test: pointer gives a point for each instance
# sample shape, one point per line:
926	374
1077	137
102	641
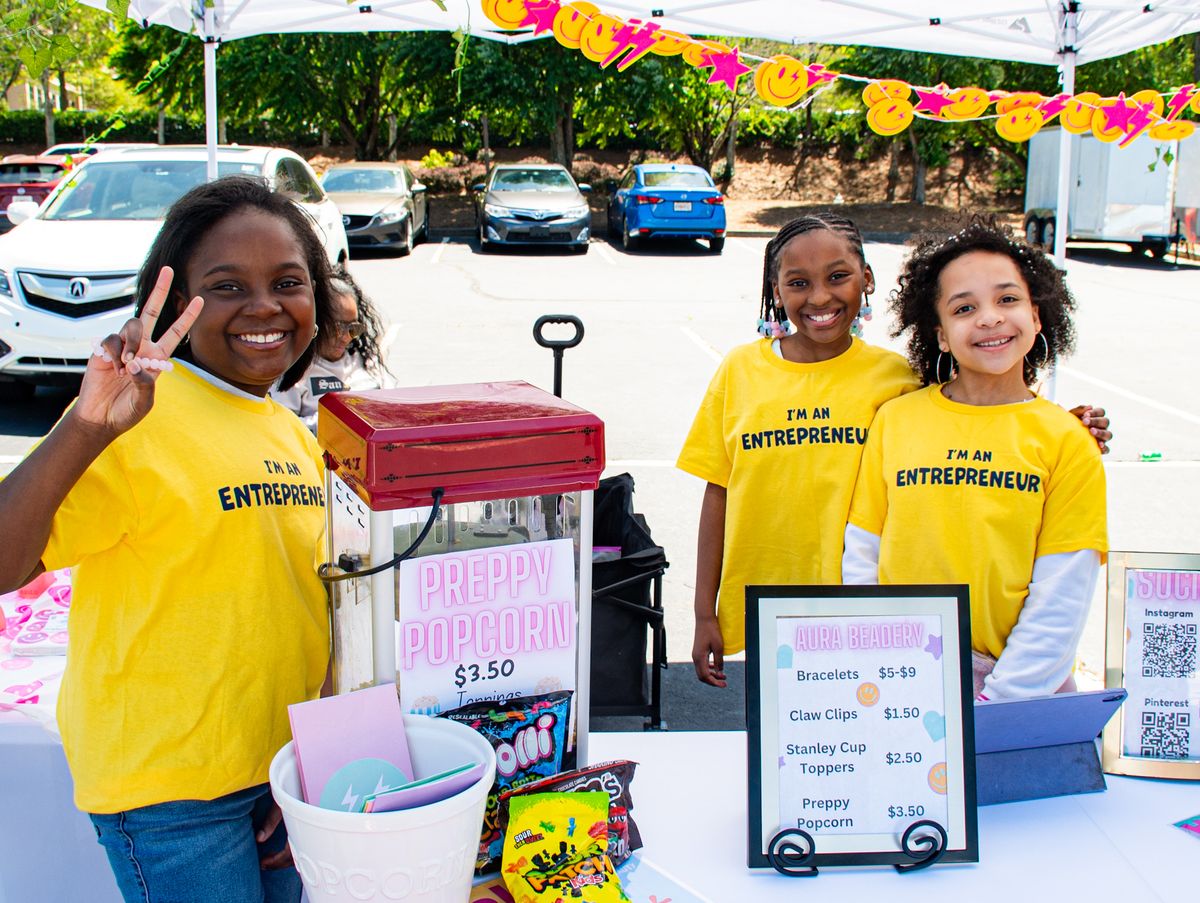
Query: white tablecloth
690	802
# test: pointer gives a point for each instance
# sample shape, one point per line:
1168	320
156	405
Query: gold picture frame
1151	641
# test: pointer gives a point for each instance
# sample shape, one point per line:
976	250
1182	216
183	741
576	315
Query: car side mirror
21	210
418	186
585	188
478	186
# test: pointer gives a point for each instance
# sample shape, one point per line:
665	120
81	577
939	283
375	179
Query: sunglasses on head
352	329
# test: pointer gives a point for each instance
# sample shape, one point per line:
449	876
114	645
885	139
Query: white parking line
437	255
703	345
1141	399
605	253
738	243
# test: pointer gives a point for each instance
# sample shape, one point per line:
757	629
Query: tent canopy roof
1030	31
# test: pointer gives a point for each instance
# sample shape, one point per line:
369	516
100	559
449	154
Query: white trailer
1128	194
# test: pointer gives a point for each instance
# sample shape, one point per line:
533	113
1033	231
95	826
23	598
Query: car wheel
484	244
406	238
629	241
580	249
716	244
16	392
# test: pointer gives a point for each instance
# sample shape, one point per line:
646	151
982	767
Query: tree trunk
893	174
568	115
557	149
221	139
162	126
1196	57
919	169
63	100
47	107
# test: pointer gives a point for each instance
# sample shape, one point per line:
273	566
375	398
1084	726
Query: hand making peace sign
118	385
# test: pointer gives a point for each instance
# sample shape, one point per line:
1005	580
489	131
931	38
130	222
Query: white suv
68	272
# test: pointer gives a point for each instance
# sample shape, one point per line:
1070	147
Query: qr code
1168	650
1165	734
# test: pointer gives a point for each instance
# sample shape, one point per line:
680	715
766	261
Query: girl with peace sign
190	505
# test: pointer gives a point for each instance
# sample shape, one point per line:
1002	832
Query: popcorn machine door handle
557	345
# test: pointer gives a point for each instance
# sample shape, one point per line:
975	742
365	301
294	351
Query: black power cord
324	570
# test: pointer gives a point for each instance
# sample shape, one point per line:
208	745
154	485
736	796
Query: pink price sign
486	624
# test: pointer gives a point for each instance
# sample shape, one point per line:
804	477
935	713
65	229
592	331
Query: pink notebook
350	746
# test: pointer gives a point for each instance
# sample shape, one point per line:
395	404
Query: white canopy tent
1048	32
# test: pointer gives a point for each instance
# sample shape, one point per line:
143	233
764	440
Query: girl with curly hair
349	358
976	479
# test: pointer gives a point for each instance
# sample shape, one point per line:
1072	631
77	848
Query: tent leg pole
210	93
1063	201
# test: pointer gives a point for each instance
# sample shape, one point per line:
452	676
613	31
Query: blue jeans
197	851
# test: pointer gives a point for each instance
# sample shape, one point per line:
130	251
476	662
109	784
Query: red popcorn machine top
484	494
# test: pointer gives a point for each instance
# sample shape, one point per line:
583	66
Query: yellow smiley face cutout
780	81
868	694
967	103
669	43
696	52
890	117
937	778
1100	127
1173	131
1076	117
596	40
1018	101
887	89
570	21
1021	124
506	14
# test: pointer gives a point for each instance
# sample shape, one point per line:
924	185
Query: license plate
682	206
539	231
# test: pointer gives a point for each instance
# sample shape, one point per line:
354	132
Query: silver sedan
382	205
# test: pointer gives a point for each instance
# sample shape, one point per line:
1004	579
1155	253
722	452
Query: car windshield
23	173
531	180
132	190
363	180
672	179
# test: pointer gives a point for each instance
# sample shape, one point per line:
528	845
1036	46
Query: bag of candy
529	734
556	849
614	779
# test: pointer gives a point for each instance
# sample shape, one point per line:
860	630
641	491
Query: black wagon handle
557	345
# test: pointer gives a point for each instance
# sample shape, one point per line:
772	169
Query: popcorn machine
460	543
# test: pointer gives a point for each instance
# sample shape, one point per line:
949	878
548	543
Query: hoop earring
937	370
1045	355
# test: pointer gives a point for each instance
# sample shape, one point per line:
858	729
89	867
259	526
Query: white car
68	271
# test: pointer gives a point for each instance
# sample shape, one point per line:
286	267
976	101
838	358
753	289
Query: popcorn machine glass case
494	601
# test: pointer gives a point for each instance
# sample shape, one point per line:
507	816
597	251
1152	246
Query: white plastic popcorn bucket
422	855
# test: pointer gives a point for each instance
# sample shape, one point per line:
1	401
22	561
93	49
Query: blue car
667	200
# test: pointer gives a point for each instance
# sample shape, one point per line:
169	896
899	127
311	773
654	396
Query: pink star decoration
727	67
540	14
931	100
1118	115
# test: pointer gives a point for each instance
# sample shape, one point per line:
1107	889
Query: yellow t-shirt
784	439
973	494
196	613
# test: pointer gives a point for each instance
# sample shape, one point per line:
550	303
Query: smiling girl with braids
780	432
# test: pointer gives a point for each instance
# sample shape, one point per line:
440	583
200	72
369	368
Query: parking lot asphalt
659	319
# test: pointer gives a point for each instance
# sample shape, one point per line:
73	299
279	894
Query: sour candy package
529	734
614	779
555	850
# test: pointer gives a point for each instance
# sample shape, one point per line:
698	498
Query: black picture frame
765	605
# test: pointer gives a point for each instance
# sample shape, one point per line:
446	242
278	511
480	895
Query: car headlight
389	216
496	210
576	212
5	285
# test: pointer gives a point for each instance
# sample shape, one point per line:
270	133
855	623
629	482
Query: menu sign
860	719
